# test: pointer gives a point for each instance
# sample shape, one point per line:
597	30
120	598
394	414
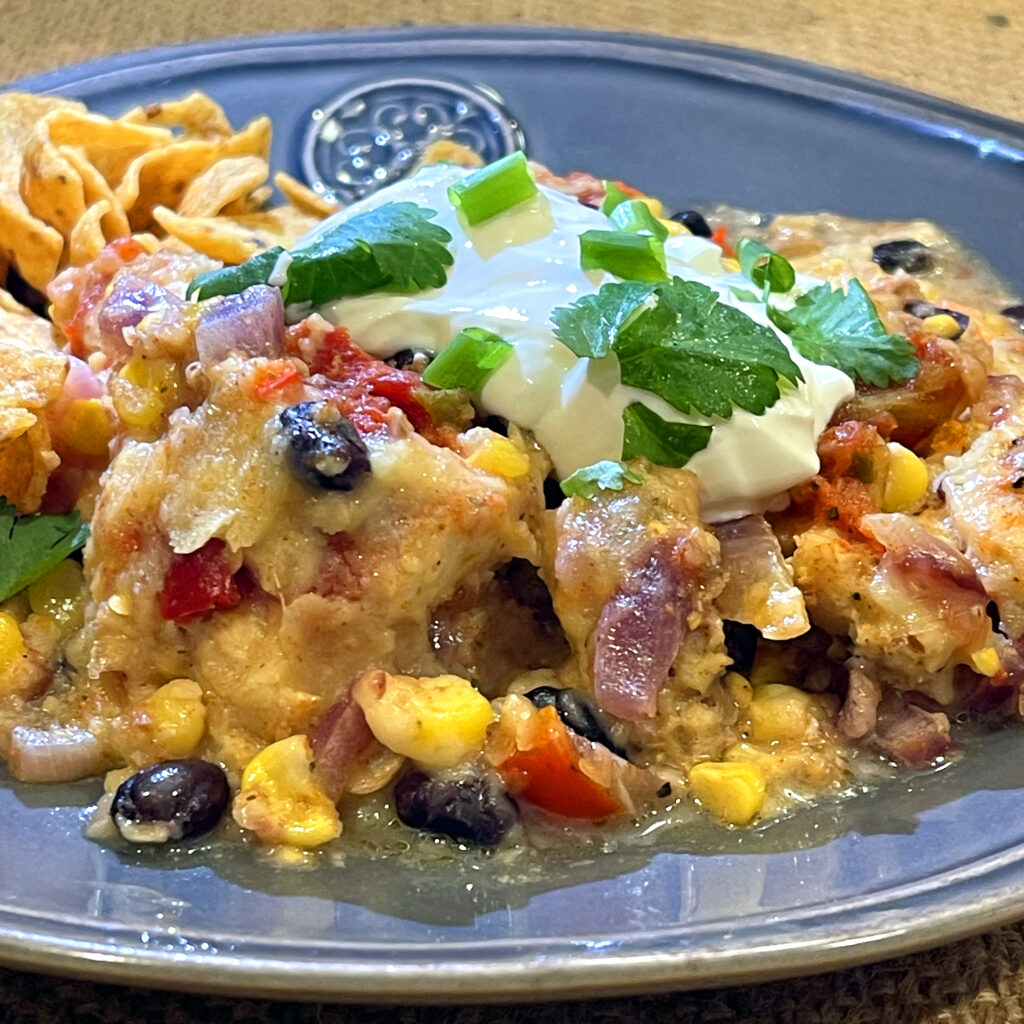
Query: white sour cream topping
511	272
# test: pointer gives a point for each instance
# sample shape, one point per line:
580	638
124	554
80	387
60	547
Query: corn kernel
906	481
12	643
986	661
280	799
85	426
780	712
60	594
730	265
941	324
738	689
145	389
439	721
177	717
732	791
673	227
498	455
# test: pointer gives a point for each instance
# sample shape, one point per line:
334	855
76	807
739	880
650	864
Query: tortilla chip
32	374
254	202
26	462
87	237
20	326
236	239
96	187
302	197
227	181
161	176
197	114
448	151
26	242
50	185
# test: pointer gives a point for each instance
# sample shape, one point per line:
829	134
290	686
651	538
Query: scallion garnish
624	254
493	189
635	215
613	195
765	267
469	359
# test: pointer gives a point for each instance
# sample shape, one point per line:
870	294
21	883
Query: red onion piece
251	323
638	635
338	743
930	571
131	300
57	754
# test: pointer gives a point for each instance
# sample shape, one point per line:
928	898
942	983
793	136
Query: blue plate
920	861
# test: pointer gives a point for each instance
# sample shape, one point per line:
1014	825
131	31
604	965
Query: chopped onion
57	754
251	322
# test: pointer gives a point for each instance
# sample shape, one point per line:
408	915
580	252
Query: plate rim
570	973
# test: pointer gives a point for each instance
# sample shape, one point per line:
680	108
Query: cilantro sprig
30	546
842	329
395	247
605	475
676	340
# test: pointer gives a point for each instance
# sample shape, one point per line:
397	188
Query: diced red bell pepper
199	582
546	772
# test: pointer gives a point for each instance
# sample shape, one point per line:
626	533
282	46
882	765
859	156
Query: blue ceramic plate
918	862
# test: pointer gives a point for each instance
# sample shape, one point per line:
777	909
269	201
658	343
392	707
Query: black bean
902	254
473	810
1016	314
171	800
417	359
922	310
324	449
741	644
694	221
576	712
553	493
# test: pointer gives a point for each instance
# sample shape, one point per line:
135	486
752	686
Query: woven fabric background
970	52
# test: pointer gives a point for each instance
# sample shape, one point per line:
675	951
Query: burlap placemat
964	51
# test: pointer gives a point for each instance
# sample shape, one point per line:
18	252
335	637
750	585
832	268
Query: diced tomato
100	273
275	376
363	388
545	770
720	237
199	582
127	248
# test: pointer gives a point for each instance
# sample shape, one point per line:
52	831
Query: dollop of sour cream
511	272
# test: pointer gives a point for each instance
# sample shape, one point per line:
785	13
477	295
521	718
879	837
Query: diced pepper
199	582
545	770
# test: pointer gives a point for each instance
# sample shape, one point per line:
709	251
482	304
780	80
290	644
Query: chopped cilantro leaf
745	295
843	329
590	325
601	476
688	348
662	441
30	546
394	247
700	355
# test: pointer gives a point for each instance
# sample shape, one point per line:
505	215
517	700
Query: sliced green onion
629	256
635	215
663	442
469	359
494	188
613	195
765	267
